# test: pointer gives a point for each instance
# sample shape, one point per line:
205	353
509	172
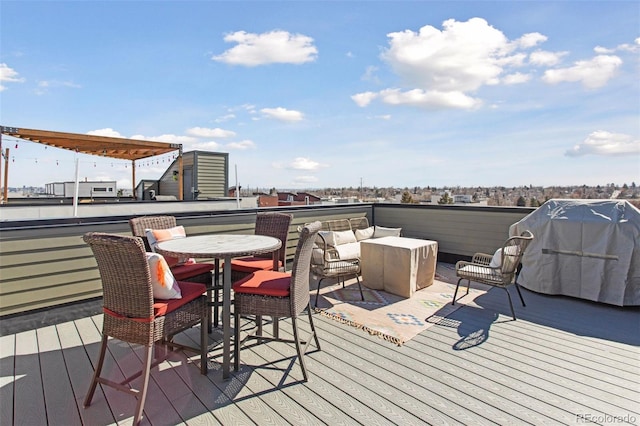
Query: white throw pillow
348	251
163	282
496	260
364	234
381	231
155	236
344	237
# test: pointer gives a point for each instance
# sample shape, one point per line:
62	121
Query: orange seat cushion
190	291
265	283
189	270
252	264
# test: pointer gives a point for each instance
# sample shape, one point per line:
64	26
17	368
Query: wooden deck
564	361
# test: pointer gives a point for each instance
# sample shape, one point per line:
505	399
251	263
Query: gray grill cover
583	248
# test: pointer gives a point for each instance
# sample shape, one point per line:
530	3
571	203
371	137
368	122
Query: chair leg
216	313
520	294
315	304
142	396
204	342
455	293
513	313
210	304
296	338
96	373
313	328
360	287
236	338
276	327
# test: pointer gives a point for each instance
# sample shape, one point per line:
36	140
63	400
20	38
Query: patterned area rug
393	318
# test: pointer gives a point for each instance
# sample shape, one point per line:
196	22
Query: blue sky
308	94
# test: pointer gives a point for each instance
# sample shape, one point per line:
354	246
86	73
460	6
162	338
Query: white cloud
370	75
45	85
429	99
364	99
282	114
8	75
440	68
592	74
108	131
606	143
625	47
224	118
531	39
462	57
203	132
267	48
242	145
302	163
206	146
170	138
516	78
545	58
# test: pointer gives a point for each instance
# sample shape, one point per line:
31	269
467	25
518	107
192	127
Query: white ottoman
398	265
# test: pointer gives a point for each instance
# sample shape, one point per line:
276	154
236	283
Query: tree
406	198
445	199
521	201
534	202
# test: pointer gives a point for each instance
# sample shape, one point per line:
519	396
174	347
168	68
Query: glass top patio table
221	246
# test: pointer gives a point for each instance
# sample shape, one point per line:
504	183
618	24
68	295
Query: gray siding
211	174
459	230
46	263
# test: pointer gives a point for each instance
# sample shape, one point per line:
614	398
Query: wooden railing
45	263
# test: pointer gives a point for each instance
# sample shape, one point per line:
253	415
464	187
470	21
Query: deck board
61	409
562	359
7	378
29	403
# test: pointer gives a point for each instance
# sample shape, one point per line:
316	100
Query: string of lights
16	157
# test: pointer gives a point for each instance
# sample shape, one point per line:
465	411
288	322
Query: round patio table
222	246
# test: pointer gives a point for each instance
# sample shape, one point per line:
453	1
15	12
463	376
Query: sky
316	94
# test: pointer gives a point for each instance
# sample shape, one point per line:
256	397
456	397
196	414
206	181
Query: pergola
104	146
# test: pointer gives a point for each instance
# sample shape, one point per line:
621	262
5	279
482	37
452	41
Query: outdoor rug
390	317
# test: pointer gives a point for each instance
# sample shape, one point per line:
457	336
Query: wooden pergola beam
105	146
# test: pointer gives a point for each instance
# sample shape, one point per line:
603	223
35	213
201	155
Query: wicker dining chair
498	269
279	295
192	272
132	315
272	224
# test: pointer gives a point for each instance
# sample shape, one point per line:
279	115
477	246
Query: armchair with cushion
498	269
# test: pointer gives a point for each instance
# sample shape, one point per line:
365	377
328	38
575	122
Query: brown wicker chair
497	273
194	272
279	295
271	224
131	314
